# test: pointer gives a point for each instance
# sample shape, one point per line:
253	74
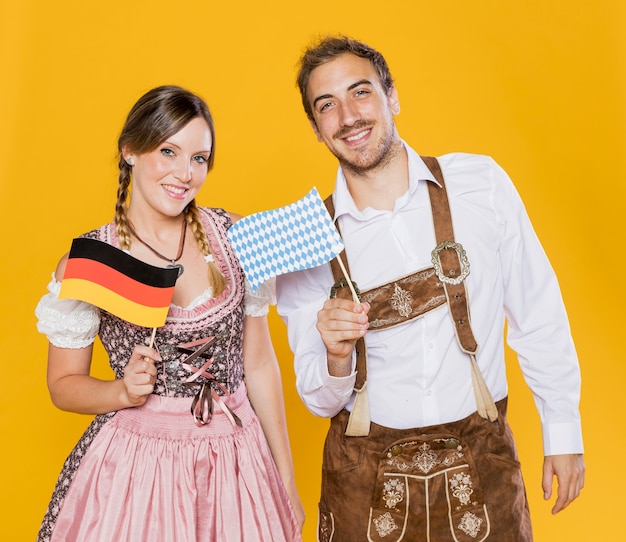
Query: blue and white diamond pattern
291	238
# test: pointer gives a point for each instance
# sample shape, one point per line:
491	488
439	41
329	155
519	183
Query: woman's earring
130	161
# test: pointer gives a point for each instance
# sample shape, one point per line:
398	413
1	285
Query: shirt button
429	393
431	345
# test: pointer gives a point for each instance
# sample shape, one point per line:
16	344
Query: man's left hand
569	470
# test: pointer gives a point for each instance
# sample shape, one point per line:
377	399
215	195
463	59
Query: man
419	447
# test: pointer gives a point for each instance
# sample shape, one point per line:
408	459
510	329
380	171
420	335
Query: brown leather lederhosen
459	481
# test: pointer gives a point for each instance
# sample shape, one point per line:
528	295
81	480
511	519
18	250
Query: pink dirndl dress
150	473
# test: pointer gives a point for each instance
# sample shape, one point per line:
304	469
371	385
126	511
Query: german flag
113	280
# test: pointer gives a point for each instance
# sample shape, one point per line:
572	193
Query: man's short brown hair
331	47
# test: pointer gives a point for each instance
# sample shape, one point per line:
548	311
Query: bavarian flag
295	237
113	280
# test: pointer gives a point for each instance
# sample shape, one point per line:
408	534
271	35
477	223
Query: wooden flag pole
153	335
359	420
146	358
355	297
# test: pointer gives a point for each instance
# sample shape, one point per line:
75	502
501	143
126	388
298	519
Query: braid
192	215
121	206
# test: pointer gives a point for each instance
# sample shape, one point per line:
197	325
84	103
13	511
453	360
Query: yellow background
538	84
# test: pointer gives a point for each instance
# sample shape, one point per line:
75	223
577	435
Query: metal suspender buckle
343	283
462	259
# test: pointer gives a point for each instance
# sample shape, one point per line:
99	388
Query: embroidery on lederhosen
385	524
401	300
460	486
326	526
415	477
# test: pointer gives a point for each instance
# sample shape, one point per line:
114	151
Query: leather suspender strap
451	258
359	420
450	268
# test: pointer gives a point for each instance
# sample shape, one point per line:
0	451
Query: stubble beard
367	160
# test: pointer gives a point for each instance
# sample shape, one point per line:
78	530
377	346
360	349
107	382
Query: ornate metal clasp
343	283
462	258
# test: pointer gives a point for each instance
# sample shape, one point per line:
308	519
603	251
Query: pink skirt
152	475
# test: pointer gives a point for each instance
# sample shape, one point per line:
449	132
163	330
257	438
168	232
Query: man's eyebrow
351	87
359	83
322	97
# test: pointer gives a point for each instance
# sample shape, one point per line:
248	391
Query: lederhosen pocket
459	481
418	475
345	471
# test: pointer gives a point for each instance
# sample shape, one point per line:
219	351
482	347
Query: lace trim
196	302
257	303
66	322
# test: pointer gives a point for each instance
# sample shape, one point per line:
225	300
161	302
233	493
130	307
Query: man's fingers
569	471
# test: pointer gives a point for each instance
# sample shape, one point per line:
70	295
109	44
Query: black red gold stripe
113	280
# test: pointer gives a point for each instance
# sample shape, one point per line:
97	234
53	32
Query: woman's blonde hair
158	115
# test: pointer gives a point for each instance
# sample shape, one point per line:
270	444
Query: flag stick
153	335
355	297
151	343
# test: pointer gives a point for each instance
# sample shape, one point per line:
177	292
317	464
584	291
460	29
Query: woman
150	466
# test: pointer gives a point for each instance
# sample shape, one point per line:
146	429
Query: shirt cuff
339	381
330	394
562	438
341	387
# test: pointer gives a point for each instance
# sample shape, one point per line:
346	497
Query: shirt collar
344	204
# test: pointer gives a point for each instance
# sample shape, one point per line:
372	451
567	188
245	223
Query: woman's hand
296	503
140	375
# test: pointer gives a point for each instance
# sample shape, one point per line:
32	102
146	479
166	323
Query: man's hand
340	323
569	470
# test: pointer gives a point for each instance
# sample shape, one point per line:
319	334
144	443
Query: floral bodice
73	324
220	317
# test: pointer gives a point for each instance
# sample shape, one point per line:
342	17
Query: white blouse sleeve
257	303
67	323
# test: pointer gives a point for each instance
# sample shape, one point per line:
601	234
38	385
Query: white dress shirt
417	374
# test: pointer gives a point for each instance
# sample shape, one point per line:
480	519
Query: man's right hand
340	323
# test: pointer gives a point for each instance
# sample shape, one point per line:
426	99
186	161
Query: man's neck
380	187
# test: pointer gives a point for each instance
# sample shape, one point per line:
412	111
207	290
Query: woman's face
166	179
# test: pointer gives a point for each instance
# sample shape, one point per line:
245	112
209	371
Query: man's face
352	113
